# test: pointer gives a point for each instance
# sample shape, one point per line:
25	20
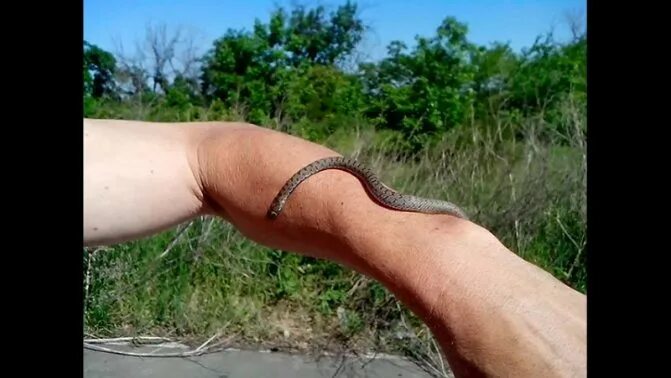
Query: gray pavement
241	363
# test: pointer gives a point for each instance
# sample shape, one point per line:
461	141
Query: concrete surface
241	363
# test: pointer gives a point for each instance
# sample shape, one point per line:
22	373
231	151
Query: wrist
476	295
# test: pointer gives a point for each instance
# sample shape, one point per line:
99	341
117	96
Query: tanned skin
493	313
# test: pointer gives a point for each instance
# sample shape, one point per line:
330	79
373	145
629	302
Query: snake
384	195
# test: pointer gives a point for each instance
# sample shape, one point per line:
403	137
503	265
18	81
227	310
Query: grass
529	190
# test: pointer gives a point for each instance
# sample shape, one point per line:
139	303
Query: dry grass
520	178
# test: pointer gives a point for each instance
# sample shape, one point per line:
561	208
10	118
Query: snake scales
383	194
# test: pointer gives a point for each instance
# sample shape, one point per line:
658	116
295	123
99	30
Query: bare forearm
492	312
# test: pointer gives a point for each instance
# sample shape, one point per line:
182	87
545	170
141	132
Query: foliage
264	69
288	70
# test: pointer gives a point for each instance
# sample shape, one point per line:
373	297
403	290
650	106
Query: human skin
493	313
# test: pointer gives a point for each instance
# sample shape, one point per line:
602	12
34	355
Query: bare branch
575	19
160	57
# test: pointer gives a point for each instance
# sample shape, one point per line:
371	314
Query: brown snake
383	194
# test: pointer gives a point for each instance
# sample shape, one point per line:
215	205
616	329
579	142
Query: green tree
494	67
311	37
98	71
182	93
547	72
99	67
426	91
257	69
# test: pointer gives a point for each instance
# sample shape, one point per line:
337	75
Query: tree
494	67
256	68
547	72
159	59
426	91
311	37
99	68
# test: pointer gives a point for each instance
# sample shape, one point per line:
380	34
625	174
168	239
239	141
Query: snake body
380	192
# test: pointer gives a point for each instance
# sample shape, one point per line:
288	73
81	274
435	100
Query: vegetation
499	132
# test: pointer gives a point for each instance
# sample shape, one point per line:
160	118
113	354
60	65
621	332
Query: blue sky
517	22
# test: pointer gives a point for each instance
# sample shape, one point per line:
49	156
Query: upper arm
138	180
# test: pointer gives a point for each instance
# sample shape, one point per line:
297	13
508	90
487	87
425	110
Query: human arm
492	312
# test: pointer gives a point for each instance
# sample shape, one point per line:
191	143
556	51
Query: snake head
275	208
272	213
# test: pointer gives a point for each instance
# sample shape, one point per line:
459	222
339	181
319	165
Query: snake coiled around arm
379	191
